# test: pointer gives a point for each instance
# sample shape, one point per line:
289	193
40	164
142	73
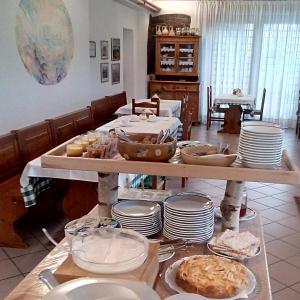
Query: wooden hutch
176	70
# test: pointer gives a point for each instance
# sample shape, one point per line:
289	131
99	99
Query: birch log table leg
231	205
107	193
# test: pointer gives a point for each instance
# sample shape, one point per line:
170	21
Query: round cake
212	276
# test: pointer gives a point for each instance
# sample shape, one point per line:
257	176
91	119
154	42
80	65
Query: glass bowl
110	250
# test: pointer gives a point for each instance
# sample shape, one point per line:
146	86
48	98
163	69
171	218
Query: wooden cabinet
177	55
175	90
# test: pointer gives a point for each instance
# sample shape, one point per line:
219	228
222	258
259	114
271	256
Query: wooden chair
154	106
298	118
211	110
116	101
256	112
69	125
100	112
183	108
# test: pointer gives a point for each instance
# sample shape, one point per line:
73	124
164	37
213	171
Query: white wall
108	18
23	101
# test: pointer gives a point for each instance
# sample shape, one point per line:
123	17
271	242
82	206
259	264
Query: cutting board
147	272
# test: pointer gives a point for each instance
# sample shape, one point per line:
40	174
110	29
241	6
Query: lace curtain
252	45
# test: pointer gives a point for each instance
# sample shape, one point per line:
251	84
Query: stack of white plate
189	216
260	146
141	216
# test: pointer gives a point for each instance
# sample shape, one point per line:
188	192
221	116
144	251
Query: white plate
263	130
260	166
186	296
170	276
98	288
188	203
259	123
228	256
136	208
166	256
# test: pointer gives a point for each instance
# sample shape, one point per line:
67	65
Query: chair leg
183	181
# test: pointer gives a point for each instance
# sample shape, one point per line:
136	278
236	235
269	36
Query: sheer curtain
252	45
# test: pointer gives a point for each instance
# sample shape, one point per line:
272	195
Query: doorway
128	63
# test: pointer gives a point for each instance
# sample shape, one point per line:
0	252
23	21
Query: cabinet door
165	64
187	62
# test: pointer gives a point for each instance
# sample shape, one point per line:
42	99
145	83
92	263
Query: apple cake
212	276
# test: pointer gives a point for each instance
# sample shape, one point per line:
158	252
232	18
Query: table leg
107	192
231	205
232	120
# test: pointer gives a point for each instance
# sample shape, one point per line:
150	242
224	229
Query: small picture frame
115	73
104	49
104	71
92	49
115	49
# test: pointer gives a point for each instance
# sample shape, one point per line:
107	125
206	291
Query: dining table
167	108
35	179
232	99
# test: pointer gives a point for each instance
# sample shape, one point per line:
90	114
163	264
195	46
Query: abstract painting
115	49
44	38
115	73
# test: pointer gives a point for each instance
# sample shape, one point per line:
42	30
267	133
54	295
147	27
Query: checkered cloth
34	188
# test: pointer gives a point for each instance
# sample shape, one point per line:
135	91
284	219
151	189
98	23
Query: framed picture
115	73
104	70
115	49
104	49
92	49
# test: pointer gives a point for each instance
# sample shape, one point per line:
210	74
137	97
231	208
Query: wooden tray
56	158
147	272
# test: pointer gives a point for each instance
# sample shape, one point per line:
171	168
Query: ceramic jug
164	30
171	31
158	30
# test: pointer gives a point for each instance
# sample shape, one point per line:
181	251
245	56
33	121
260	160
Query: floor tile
286	294
268	190
286	197
293	239
276	286
294	260
275	215
271	259
285	273
283	187
290	208
34	246
253	194
7	285
257	206
8	269
292	222
3	255
278	230
27	262
254	185
281	249
268	238
270	201
266	221
296	287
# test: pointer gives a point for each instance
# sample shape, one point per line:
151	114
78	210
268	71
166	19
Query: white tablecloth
236	100
167	108
144	126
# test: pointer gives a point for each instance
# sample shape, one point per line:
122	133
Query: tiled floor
279	209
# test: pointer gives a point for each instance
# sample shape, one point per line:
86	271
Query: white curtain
252	45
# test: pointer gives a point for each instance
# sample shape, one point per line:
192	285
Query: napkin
239	245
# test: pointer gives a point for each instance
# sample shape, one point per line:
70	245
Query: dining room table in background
167	108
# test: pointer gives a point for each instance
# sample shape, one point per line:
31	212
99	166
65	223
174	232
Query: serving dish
137	150
206	155
110	250
170	279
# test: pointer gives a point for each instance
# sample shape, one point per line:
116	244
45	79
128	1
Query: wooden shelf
288	174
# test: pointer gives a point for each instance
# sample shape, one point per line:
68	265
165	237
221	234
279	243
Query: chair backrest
34	140
116	101
209	97
69	125
263	101
187	126
100	111
10	161
153	105
183	108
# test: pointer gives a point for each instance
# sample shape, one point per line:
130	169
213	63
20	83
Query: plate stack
141	216
260	146
189	216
